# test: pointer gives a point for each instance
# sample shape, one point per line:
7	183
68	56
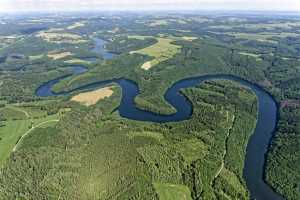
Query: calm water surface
257	145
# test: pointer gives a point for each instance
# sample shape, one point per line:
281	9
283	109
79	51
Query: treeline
283	162
94	145
124	45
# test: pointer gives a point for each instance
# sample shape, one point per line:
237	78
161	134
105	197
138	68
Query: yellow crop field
59	55
77	61
91	98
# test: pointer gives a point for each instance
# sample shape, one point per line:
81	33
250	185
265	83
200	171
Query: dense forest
70	147
206	159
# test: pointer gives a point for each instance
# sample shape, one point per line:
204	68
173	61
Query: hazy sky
58	5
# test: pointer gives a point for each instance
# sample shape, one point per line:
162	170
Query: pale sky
69	5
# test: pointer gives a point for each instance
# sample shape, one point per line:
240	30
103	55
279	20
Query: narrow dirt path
19	109
31	129
226	147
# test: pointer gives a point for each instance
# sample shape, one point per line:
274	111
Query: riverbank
259	141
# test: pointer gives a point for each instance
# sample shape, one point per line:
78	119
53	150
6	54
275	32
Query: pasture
9	135
77	61
10	113
161	51
20	122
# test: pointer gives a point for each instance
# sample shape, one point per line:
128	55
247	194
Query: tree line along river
259	141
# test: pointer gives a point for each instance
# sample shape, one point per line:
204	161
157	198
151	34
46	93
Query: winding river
257	145
99	47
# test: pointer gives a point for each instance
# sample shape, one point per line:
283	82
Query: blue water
2	59
99	48
258	143
45	89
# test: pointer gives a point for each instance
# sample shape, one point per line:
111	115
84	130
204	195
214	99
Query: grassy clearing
13	130
10	113
39	121
61	37
46	122
36	57
161	51
168	191
33	112
9	135
91	98
59	55
94	154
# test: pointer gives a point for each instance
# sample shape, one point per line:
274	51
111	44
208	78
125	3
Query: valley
166	106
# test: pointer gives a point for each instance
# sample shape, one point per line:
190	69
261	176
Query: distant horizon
226	11
16	6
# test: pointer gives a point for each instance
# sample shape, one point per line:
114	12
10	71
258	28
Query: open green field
167	191
160	51
12	113
134	159
93	153
13	131
10	134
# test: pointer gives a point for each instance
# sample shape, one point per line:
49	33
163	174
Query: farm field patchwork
140	138
61	37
